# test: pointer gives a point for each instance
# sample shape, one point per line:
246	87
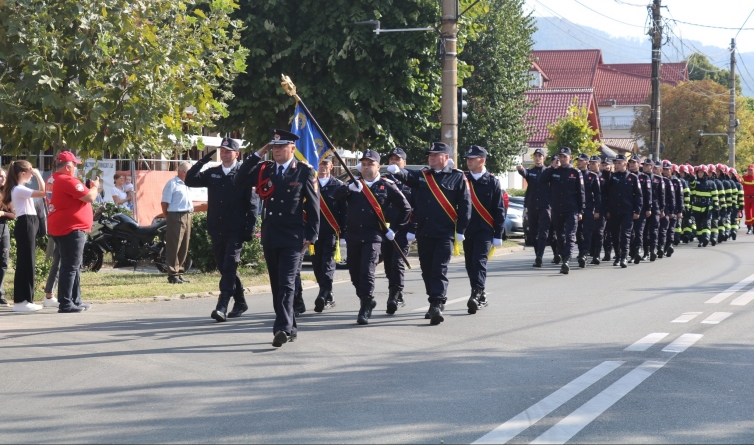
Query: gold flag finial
288	85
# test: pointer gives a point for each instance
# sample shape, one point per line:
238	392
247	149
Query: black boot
713	241
607	257
329	300
637	258
367	304
428	315
319	302
565	267
392	302
652	255
435	314
733	235
582	261
623	263
669	251
660	252
473	303
538	261
748	230
556	259
482	298
299	307
595	261
219	313
617	261
239	305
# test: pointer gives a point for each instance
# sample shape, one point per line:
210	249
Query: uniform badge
80	187
382	187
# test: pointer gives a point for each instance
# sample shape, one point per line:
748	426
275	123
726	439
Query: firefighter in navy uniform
666	216
231	219
486	226
552	240
332	221
395	267
593	203
652	228
718	196
568	203
675	214
442	209
598	234
703	202
607	238
684	186
537	203
637	232
366	226
623	203
288	188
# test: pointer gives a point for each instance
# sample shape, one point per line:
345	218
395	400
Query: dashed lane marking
536	412
682	343
744	299
717	317
686	317
730	291
646	342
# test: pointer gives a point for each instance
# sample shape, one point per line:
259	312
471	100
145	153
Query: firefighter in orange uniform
748	183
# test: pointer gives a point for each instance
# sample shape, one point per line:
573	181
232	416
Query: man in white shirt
177	209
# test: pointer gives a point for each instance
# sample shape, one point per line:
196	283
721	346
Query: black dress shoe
70	310
473	303
175	280
582	262
392	303
607	257
319	303
367	304
280	339
637	258
616	262
660	253
427	316
329	300
538	261
595	261
556	259
435	315
652	256
623	263
670	251
565	268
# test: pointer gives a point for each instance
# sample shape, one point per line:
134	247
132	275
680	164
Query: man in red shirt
70	218
748	183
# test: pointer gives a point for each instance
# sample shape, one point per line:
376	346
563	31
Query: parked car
514	218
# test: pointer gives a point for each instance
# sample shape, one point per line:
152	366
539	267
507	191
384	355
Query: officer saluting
366	225
395	267
537	203
288	189
486	225
231	218
567	204
442	211
623	204
332	219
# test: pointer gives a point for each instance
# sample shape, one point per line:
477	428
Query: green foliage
113	75
573	131
200	248
365	90
497	108
701	68
516	192
109	209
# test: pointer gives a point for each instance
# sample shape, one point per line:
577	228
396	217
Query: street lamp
378	31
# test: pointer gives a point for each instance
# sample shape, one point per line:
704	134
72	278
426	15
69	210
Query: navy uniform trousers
621	225
395	267
539	227
283	265
669	231
598	236
585	234
362	262
475	251
662	235
637	234
434	256
227	251
651	232
566	225
323	261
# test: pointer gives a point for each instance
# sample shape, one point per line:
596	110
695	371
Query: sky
633	14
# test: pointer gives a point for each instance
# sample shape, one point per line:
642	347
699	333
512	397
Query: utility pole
732	110
656	34
449	111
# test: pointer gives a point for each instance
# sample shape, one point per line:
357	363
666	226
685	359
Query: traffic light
462	104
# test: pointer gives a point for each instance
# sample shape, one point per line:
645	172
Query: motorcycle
126	240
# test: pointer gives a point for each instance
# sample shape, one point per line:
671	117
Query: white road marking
682	343
449	302
730	291
744	299
717	317
536	412
686	317
647	342
564	430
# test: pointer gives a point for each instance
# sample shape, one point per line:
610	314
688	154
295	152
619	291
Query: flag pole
290	89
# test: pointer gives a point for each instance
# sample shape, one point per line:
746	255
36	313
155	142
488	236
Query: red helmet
702	168
675	167
733	171
722	167
711	167
684	169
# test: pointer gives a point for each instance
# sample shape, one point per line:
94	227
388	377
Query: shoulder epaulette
388	180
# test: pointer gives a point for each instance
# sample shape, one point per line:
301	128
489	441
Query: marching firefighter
537	203
674	213
592	194
738	206
623	198
703	202
652	228
637	232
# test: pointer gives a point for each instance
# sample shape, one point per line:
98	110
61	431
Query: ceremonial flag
311	145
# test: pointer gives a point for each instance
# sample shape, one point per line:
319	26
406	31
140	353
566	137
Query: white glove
390	234
450	163
358	167
410	237
355	187
393	169
342	242
460	237
497	242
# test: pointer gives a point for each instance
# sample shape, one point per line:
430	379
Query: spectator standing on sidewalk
177	209
70	218
6	215
25	231
122	197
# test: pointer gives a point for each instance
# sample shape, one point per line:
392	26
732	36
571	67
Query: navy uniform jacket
337	208
230	211
431	219
592	192
658	193
283	224
490	195
567	189
391	212
623	193
645	183
362	222
537	193
670	203
678	186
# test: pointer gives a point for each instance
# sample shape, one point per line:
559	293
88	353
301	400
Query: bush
200	248
516	192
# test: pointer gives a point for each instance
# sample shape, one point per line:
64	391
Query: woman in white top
122	198
25	232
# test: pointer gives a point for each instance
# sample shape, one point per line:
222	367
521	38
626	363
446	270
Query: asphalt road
599	355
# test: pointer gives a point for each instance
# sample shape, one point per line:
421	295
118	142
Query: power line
606	16
740	57
620	2
714	27
742	26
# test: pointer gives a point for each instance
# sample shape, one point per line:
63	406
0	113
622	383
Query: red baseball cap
67	156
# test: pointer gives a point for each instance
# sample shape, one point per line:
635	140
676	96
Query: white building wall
616	121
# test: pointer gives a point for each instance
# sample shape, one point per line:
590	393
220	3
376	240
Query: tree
113	75
573	131
693	106
365	90
700	68
499	59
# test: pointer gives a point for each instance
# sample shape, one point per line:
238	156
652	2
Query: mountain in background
556	33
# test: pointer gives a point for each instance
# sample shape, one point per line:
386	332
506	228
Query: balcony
617	122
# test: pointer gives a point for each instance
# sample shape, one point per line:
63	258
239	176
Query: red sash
479	207
329	216
375	205
440	197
